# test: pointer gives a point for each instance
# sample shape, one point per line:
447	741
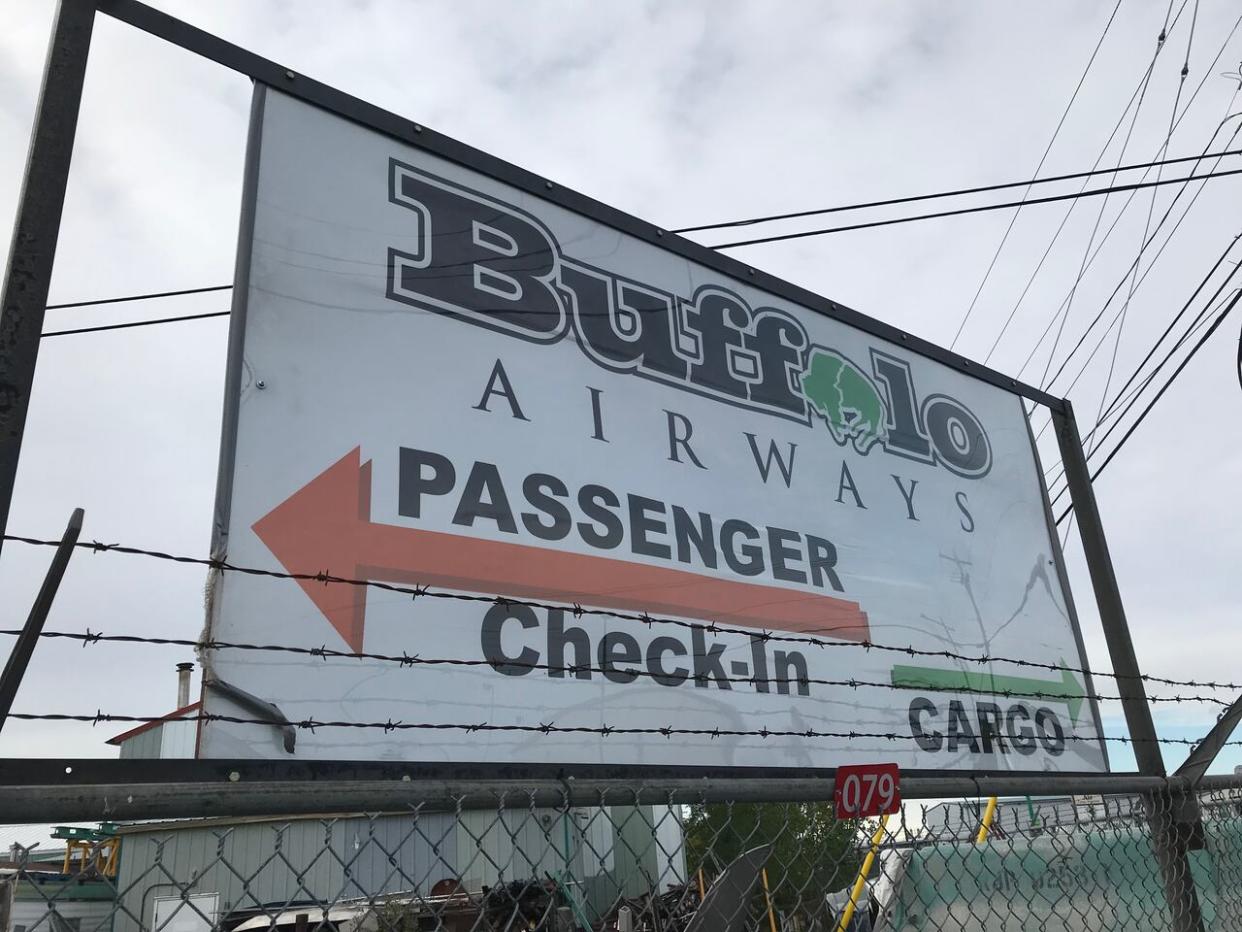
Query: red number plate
867	790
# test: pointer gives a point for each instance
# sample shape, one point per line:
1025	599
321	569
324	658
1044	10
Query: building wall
57	906
178	739
145	746
265	862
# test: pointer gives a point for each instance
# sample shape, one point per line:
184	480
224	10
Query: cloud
679	113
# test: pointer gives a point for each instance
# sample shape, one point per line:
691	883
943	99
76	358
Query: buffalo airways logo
497	266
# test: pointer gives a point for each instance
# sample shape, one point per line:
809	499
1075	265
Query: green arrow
1067	689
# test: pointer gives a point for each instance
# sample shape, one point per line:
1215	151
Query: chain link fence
716	862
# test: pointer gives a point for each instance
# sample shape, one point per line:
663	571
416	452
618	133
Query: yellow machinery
89	850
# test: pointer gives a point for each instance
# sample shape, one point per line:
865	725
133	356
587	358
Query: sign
700	499
862	790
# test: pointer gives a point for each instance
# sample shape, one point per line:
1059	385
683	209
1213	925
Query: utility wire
1042	159
1203	317
914	198
135	323
1093	192
1125	308
1116	290
140	297
1147	166
887	222
1143	165
1082	269
1064	304
1160	394
1121	396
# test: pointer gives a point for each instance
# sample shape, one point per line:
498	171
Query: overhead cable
140	297
1196	325
1063	309
1121	396
1047	383
1160	394
1125	308
1007	205
135	323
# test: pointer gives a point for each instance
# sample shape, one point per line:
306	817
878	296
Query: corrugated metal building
1023	815
172	737
52	903
43	898
277	862
242	864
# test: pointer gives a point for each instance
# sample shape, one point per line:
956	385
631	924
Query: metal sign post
18	660
1168	841
29	273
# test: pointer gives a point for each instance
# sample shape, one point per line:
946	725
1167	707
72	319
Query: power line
1146	82
1200	319
1118	398
1094	192
1143	240
1130	400
136	323
1063	313
140	297
1051	179
1047	383
1062	197
828	210
1121	396
987	274
1151	404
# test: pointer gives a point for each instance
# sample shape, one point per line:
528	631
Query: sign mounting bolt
290	75
260	384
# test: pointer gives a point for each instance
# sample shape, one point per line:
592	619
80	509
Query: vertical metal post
29	272
1163	808
15	668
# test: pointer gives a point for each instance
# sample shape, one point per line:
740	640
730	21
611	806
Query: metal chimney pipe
183	684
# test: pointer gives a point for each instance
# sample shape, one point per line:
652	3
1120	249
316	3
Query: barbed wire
578	611
324	652
548	728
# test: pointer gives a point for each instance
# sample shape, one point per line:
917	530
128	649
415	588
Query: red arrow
326	527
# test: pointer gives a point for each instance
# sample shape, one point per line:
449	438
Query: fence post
36	229
19	659
1164	806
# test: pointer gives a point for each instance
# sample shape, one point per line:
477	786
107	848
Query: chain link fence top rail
625	863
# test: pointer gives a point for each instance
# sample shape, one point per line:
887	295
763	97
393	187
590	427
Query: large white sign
716	498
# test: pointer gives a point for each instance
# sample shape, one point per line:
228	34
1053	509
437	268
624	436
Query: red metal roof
147	726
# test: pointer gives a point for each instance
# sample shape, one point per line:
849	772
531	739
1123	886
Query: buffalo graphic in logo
846	398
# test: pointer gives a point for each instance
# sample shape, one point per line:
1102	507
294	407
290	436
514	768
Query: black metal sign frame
44	195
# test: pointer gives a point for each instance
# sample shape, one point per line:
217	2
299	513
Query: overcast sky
681	114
